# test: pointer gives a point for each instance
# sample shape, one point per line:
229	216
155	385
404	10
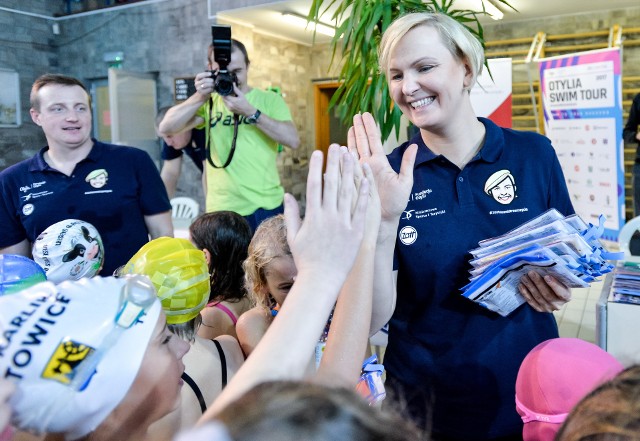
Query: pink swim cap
553	377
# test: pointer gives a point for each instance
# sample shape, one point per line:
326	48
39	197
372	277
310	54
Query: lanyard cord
236	121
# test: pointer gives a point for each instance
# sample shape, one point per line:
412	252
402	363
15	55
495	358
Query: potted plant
360	25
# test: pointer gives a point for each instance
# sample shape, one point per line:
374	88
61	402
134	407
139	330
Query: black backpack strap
196	390
223	362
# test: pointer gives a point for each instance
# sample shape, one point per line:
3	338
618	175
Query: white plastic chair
624	239
183	211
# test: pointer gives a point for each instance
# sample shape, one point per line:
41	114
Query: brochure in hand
551	244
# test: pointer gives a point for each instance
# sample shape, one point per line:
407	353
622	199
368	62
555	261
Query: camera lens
223	85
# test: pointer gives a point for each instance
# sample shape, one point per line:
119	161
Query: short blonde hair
462	44
268	242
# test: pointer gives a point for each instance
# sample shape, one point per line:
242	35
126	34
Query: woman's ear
468	75
207	256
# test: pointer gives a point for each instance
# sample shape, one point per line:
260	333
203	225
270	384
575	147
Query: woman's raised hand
393	188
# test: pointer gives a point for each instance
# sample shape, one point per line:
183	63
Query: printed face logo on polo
408	235
501	185
66	360
97	178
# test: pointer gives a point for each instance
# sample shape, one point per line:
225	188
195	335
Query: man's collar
38	162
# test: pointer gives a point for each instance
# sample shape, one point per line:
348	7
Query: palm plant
361	24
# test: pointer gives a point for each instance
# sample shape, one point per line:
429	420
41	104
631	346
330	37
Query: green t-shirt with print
251	180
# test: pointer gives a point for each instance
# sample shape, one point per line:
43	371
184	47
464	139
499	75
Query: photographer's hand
283	132
184	116
204	85
238	103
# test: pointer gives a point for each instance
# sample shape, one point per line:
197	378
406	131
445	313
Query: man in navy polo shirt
116	189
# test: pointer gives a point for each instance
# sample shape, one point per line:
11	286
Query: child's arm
349	332
324	248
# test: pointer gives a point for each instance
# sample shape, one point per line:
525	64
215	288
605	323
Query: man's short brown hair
47	79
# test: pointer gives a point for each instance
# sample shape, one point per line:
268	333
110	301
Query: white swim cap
69	250
71	362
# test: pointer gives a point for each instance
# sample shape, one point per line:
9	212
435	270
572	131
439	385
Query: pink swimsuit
224	309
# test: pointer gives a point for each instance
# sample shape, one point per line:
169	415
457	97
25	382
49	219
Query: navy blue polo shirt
113	188
438	340
196	149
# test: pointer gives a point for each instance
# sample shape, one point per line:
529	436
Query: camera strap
236	122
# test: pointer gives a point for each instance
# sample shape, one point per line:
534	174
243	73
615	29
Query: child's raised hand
329	237
372	223
373	216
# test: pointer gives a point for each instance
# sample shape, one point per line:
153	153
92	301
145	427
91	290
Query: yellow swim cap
180	274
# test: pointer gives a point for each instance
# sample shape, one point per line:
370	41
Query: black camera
223	80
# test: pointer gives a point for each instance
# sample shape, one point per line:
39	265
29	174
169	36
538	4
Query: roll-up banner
582	105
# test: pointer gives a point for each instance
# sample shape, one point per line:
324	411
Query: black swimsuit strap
223	362
192	384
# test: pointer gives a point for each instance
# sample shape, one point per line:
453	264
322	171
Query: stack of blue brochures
566	248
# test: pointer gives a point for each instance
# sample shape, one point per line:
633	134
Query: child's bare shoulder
256	316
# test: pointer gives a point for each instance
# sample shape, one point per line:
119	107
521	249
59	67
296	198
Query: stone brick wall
26	46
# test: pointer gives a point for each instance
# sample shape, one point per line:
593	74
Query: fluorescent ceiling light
491	9
300	21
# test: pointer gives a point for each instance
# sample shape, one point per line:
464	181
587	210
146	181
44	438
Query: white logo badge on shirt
408	235
27	209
